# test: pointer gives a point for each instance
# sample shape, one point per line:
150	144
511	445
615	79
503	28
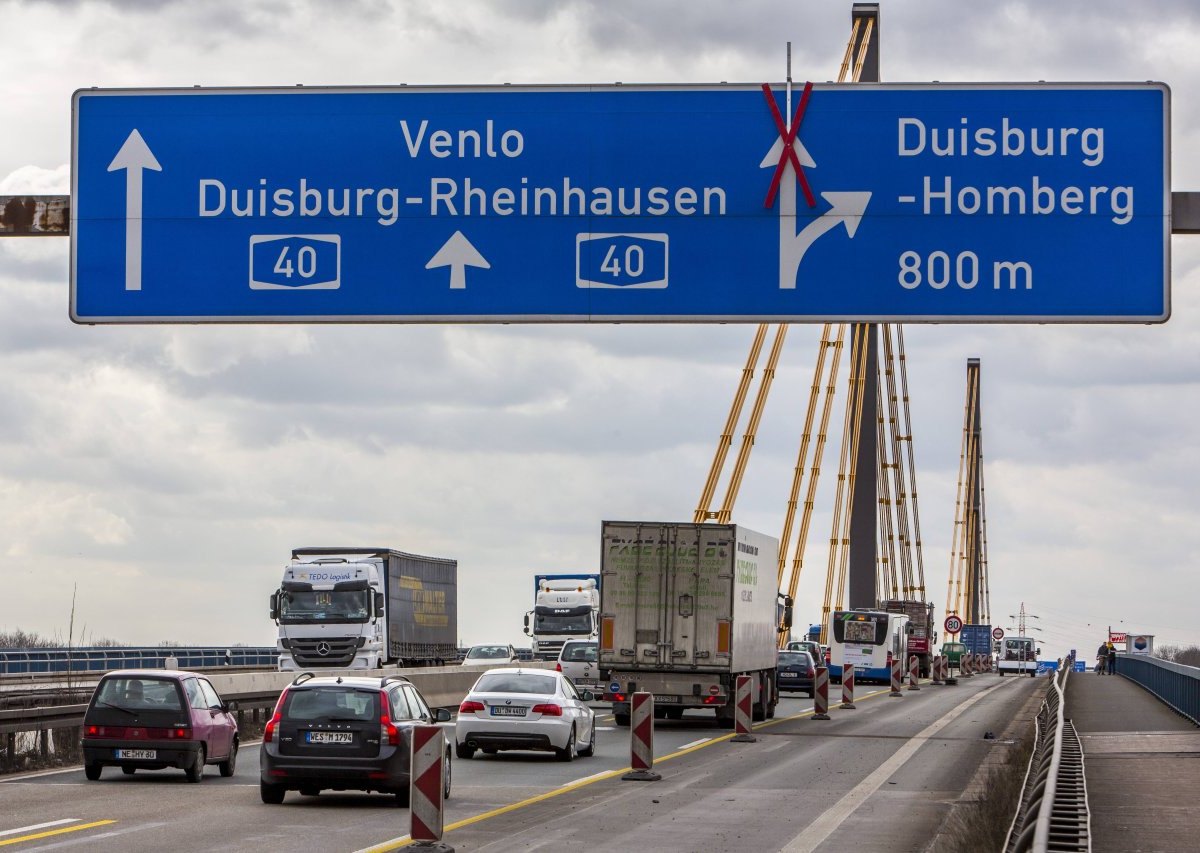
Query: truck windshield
323	605
545	623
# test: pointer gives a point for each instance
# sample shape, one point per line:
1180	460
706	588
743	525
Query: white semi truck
564	608
684	610
364	608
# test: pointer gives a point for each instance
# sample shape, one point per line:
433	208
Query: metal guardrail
103	658
1174	683
1053	812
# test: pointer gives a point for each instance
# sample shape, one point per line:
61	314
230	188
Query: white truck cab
1018	655
328	613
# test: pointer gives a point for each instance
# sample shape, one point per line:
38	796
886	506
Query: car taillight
273	723
812	672
179	733
386	729
548	709
558	667
618	697
470	707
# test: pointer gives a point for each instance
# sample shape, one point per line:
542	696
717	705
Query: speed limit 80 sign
953	624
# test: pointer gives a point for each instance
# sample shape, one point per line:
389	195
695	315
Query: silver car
526	709
491	653
579	661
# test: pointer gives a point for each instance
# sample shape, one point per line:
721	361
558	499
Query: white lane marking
37	826
813	835
587	778
88	839
693	743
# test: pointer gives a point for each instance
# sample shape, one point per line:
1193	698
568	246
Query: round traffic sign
953	624
997	633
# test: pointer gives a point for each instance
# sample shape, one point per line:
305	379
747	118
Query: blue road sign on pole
941	203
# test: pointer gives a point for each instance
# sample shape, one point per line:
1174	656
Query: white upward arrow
134	156
458	254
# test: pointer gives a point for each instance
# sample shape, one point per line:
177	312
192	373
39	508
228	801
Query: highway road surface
879	778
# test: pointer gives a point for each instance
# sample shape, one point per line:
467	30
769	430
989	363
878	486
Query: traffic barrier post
425	789
821	694
936	670
641	739
913	668
964	666
895	692
848	686
741	711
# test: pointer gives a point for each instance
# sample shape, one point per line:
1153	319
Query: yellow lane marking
404	841
51	832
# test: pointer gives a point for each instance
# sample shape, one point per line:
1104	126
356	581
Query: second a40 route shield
941	203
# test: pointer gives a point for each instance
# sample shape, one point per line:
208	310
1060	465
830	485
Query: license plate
666	698
507	711
586	682
147	754
789	675
329	737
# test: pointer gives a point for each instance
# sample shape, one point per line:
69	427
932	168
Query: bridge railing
30	661
1174	683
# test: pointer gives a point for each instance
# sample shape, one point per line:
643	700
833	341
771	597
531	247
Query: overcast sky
168	470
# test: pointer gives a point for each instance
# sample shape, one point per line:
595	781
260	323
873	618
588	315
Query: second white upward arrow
133	157
458	254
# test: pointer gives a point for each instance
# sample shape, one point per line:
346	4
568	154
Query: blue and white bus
869	639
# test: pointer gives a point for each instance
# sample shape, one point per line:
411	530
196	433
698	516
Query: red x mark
789	139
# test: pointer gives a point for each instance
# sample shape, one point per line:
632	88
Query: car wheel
128	771
229	764
622	719
402	797
590	750
567	753
464	751
195	772
446	770
92	772
272	795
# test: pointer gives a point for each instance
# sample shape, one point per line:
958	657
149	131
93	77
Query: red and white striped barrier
936	669
895	692
426	786
913	672
742	710
641	739
964	666
848	686
821	694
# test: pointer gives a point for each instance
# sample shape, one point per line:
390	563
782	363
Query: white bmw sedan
528	709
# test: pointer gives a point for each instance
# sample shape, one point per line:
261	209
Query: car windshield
793	659
488	653
579	652
139	694
325	703
515	682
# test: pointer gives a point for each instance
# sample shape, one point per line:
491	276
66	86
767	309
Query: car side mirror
1039	651
275	605
378	604
441	715
587	696
227	707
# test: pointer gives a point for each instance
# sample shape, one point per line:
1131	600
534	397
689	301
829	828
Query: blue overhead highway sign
907	203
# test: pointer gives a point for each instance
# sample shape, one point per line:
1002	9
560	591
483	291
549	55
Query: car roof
153	673
348	681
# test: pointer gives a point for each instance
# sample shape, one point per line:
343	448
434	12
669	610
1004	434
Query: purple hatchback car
148	719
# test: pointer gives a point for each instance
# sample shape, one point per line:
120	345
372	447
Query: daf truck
684	610
564	608
365	608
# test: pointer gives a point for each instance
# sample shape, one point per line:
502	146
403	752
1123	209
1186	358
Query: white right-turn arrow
847	209
134	156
